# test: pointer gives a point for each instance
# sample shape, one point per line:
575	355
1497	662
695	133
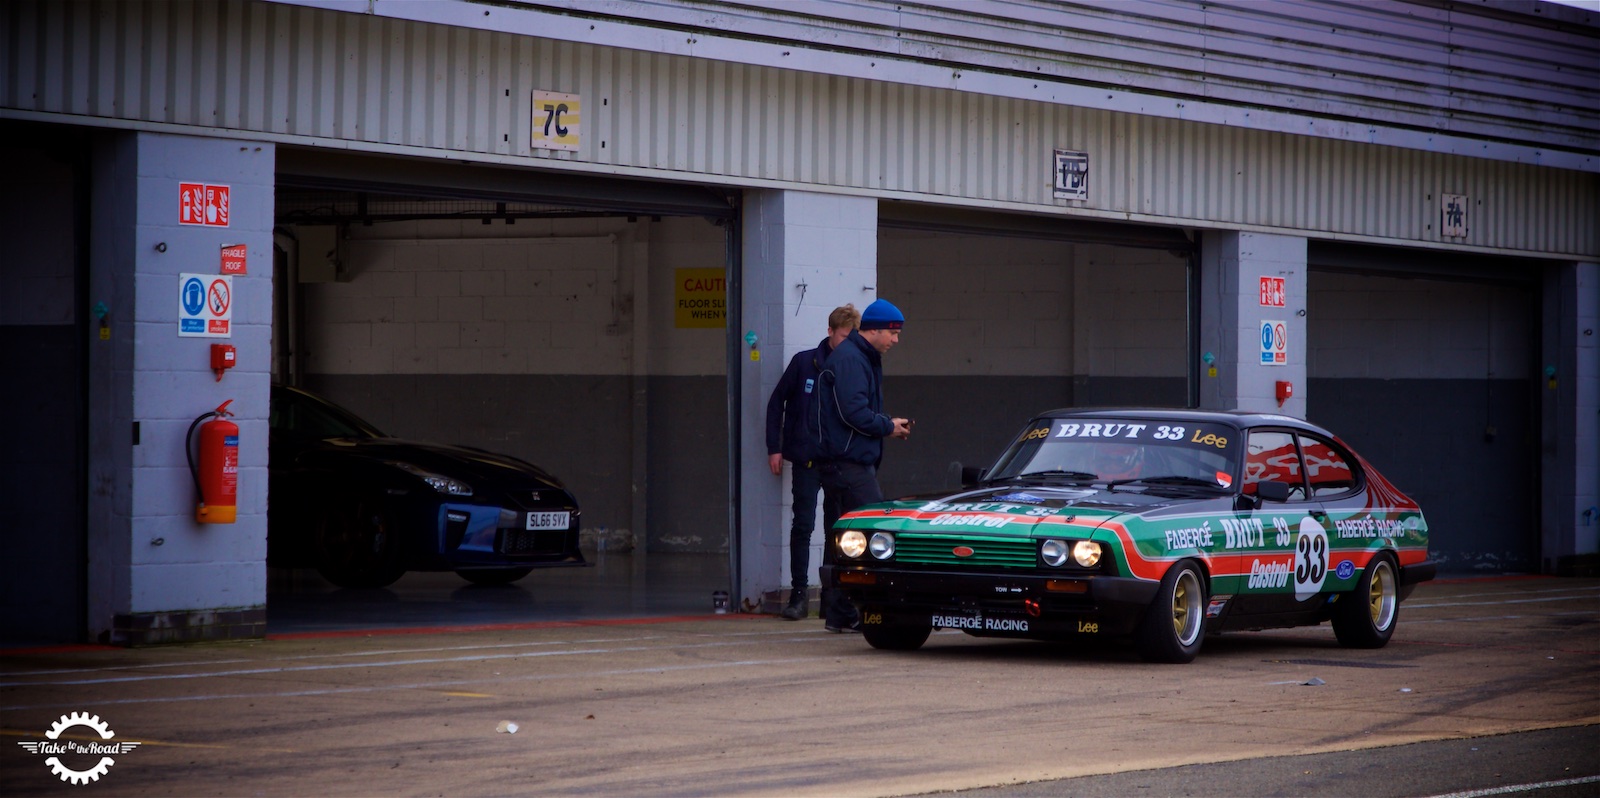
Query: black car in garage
364	508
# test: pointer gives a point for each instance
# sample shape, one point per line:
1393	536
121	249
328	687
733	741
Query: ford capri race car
1161	525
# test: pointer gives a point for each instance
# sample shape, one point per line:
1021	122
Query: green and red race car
1161	525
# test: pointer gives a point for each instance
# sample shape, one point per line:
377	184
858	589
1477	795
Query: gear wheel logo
54	746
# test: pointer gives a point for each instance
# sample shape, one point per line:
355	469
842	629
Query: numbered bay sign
557	121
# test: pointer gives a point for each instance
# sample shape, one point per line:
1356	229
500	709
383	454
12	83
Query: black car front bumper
995	603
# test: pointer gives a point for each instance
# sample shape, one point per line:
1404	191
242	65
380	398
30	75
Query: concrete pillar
155	574
1569	387
804	254
1232	316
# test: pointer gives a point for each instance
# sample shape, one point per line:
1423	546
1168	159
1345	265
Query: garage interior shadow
617	586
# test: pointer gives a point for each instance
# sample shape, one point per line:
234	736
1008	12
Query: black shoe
797	607
851	627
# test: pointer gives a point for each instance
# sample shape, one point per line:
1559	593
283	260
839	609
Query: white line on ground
365	664
426	685
1516	788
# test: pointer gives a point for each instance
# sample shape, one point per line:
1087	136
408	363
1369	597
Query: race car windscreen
1123	451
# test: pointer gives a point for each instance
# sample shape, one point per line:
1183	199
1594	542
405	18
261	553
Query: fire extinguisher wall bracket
217	477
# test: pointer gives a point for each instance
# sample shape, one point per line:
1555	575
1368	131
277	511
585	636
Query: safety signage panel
1274	343
233	260
1272	293
205	306
199	203
701	296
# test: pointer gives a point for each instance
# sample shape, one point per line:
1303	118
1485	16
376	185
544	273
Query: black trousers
845	486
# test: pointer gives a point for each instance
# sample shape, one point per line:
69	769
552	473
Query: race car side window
1273	457
1328	471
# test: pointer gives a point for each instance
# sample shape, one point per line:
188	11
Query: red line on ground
68	648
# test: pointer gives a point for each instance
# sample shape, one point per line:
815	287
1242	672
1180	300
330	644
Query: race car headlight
1053	552
881	545
852	543
438	482
1086	553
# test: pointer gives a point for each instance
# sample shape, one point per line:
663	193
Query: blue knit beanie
880	315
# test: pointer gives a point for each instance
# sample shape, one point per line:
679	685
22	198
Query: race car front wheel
1365	617
1172	625
896	637
493	576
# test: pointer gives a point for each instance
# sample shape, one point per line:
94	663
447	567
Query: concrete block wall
1416	374
1368	327
829	243
525	339
978	305
1232	264
149	557
1131	313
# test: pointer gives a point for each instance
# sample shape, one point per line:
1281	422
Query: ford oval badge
962	551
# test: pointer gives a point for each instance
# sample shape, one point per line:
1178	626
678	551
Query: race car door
1286	562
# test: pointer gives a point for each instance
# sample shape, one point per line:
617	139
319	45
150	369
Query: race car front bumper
991	603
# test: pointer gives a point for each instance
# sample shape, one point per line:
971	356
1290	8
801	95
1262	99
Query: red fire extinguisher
217	479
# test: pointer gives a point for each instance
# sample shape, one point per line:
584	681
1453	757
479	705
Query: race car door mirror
1272	491
971	476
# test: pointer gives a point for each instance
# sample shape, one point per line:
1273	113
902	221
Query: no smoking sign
1274	343
205	306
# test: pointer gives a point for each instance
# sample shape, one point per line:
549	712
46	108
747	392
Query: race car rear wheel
896	637
493	576
1173	624
356	545
1365	617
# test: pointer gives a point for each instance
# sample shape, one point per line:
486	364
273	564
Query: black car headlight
852	543
438	482
1084	552
1053	552
881	545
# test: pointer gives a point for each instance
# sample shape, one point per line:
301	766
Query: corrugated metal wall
1499	69
322	77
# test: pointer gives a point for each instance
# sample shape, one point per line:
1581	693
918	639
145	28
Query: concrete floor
617	586
744	705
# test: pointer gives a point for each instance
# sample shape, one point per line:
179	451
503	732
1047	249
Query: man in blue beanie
851	426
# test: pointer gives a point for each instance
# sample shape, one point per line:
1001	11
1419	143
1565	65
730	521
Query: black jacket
851	425
791	409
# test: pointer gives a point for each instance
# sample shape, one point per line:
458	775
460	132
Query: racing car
1158	525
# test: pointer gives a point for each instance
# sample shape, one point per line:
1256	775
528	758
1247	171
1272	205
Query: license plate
549	520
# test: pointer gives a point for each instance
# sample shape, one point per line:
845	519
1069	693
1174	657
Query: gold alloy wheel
1186	611
1381	596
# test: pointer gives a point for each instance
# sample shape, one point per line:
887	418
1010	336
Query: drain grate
1336	663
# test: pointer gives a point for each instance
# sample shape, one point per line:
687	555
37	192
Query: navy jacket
851	425
792	406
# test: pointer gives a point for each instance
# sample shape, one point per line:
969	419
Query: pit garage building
591	234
